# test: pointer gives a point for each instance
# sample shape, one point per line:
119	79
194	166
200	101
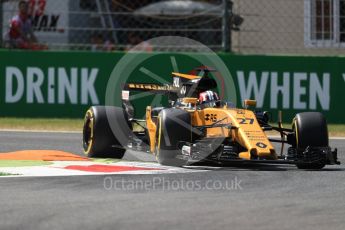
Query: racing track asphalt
266	197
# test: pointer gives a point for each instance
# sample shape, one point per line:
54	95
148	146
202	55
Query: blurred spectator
98	43
21	35
109	45
137	44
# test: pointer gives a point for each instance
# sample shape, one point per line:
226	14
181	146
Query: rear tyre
310	130
173	127
98	137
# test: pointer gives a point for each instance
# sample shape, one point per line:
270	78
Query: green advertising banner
65	84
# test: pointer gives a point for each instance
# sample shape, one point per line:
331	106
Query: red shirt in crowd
20	28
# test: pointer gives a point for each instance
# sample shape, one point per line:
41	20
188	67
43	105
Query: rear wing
154	88
169	90
177	89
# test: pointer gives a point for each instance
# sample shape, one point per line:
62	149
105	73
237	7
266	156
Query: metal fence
303	27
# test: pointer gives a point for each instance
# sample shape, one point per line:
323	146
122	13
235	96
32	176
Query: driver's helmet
208	98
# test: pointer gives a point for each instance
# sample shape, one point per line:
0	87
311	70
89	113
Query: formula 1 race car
199	127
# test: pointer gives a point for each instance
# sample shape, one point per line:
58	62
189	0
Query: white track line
337	138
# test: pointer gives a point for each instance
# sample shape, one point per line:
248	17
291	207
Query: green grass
336	130
77	125
5	174
42	124
22	163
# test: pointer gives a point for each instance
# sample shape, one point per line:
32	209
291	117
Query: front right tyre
310	130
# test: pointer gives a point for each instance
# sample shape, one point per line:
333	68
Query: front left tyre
98	137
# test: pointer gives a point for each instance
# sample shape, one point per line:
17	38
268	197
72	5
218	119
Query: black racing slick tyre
311	130
98	137
173	127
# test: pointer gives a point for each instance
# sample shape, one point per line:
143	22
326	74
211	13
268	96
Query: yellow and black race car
199	127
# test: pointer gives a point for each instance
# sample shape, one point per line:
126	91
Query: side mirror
248	103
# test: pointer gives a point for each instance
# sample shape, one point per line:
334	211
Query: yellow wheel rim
88	131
